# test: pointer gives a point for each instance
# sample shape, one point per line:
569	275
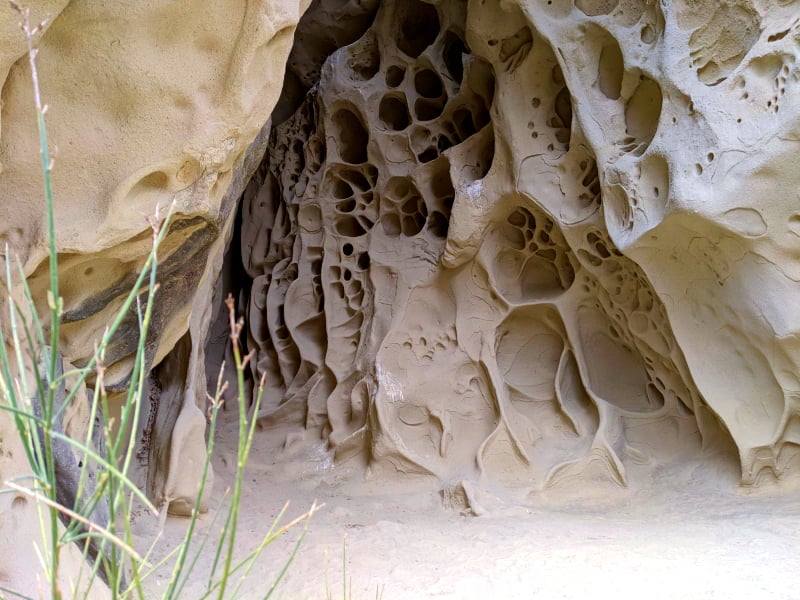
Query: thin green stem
236	328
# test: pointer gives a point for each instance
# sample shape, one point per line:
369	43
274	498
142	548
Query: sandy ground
684	539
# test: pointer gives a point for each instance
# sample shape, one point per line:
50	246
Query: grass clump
81	488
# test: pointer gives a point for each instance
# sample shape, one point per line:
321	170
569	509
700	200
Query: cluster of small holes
348	287
552	124
780	89
536	235
356	260
372	105
426	349
404	211
599	249
590	196
631	299
425	98
636	316
353	192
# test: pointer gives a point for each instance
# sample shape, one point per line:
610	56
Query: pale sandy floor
689	542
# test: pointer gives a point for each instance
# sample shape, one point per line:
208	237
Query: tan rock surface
149	103
538	244
528	249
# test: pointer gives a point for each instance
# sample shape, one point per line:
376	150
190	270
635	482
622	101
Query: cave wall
537	243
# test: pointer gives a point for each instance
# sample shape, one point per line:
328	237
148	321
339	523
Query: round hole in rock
419	27
347	249
346	206
393	113
412	225
371	173
655	397
642	113
442	184
464	123
443	143
648	34
395	76
357	179
427	110
399	187
610	70
514	238
411	206
428	84
342	190
351	135
595	8
438	224
391	224
563	110
349	227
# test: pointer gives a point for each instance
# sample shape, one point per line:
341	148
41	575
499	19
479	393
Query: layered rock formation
537	242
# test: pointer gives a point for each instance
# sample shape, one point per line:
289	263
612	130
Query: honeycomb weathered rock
505	239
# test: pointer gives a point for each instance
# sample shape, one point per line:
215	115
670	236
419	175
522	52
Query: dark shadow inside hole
427	110
349	227
351	135
438	224
395	76
428	155
419	27
393	113
453	55
428	84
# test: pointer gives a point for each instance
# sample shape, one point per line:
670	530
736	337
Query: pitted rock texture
537	242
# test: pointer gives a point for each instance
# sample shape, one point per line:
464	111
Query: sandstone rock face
538	242
149	104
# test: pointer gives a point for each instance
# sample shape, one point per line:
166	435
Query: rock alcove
514	244
526	248
472	250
